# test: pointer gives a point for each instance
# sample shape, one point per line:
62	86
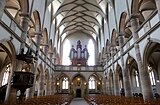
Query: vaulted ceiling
78	15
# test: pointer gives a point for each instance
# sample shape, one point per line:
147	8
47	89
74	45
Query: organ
79	56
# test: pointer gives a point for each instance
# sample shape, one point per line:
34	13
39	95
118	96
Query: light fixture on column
57	83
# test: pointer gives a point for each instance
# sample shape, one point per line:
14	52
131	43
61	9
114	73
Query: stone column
2	7
50	54
115	81
116	84
107	76
38	36
25	17
45	50
107	86
143	71
158	6
41	85
126	79
11	92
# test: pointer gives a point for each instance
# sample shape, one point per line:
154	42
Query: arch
10	51
45	40
24	5
47	76
96	75
78	74
36	21
7	64
118	68
107	47
40	71
122	22
62	75
50	49
124	25
114	41
129	61
151	57
144	8
14	8
135	6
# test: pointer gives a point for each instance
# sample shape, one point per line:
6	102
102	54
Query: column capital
134	16
24	14
50	52
121	39
121	34
38	33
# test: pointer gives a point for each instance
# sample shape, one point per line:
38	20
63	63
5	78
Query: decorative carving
28	57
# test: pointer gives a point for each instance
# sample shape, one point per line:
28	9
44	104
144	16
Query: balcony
60	68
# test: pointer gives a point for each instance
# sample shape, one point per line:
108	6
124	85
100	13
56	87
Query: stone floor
78	101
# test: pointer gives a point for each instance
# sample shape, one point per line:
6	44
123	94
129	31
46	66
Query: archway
7	56
62	84
152	64
95	84
111	86
118	81
79	85
134	75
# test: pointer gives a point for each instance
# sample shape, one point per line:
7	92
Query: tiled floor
78	101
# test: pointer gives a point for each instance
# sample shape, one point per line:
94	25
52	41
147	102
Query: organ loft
79	56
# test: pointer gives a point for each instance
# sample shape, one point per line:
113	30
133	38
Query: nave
78	101
98	99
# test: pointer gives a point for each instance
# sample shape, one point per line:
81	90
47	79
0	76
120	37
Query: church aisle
78	101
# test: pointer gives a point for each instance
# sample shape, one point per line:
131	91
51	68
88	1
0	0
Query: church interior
96	52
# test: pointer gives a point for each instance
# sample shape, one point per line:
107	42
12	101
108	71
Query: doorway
78	93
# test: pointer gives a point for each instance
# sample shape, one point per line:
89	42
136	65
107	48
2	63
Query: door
78	93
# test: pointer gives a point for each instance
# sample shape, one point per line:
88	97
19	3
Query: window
65	83
91	50
151	75
136	77
92	83
120	83
109	7
6	75
66	59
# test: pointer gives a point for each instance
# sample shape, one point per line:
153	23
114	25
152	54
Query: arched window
66	59
92	83
65	83
120	83
137	79
109	7
6	75
151	75
91	50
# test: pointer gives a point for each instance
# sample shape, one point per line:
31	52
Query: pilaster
143	71
116	84
126	79
38	36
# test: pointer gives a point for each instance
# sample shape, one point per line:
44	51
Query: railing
96	68
142	31
16	31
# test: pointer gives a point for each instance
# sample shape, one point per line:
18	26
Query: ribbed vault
78	15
